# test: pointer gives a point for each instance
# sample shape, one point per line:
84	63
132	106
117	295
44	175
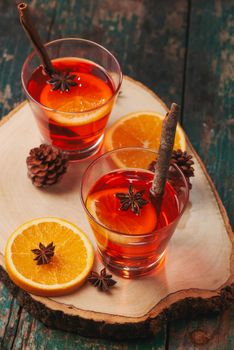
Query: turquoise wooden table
182	50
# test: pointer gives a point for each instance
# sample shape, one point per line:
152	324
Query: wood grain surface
198	270
183	50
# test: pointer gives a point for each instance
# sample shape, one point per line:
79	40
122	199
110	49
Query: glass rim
147	234
33	54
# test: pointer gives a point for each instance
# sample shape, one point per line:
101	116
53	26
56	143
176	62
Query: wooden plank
210	332
9	314
208	105
147	38
126	28
14	48
32	334
20	331
9	96
208	120
160	296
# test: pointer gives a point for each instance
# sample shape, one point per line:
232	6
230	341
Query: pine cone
46	165
183	161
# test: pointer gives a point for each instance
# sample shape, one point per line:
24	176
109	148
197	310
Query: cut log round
198	274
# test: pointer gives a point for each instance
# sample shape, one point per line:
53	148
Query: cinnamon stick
30	30
164	156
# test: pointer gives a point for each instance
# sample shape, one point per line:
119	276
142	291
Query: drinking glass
131	244
77	132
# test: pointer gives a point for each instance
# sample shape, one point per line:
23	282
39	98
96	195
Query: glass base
79	155
135	270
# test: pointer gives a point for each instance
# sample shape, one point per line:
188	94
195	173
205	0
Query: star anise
44	253
101	280
62	81
132	200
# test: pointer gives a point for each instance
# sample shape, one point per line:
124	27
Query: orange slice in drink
89	94
68	268
105	208
140	129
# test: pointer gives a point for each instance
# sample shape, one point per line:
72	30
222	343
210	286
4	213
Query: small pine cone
46	165
183	161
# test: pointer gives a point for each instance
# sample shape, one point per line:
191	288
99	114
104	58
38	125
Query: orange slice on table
72	261
140	129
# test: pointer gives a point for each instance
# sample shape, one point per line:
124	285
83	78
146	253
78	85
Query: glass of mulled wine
73	120
131	237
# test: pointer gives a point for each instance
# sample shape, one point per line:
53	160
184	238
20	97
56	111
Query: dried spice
134	201
59	80
44	254
165	151
102	280
62	81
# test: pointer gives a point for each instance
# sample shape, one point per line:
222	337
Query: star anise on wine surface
102	280
131	200
44	254
62	81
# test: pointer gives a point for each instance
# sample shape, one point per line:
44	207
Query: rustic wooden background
182	50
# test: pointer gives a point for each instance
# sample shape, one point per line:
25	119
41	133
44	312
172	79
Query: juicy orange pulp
61	269
91	92
105	207
139	129
72	260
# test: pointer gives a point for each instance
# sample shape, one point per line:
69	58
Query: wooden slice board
198	275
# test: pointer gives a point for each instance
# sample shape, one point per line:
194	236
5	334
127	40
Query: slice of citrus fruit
68	268
141	129
81	101
105	208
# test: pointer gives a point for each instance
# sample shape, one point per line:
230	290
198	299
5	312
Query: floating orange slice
84	102
68	268
104	206
90	92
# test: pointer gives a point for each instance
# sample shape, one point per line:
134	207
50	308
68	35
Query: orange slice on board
141	129
72	261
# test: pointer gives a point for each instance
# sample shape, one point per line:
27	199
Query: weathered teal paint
25	332
213	333
209	100
156	42
9	316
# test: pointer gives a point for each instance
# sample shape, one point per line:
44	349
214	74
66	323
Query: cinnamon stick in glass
30	30
164	156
